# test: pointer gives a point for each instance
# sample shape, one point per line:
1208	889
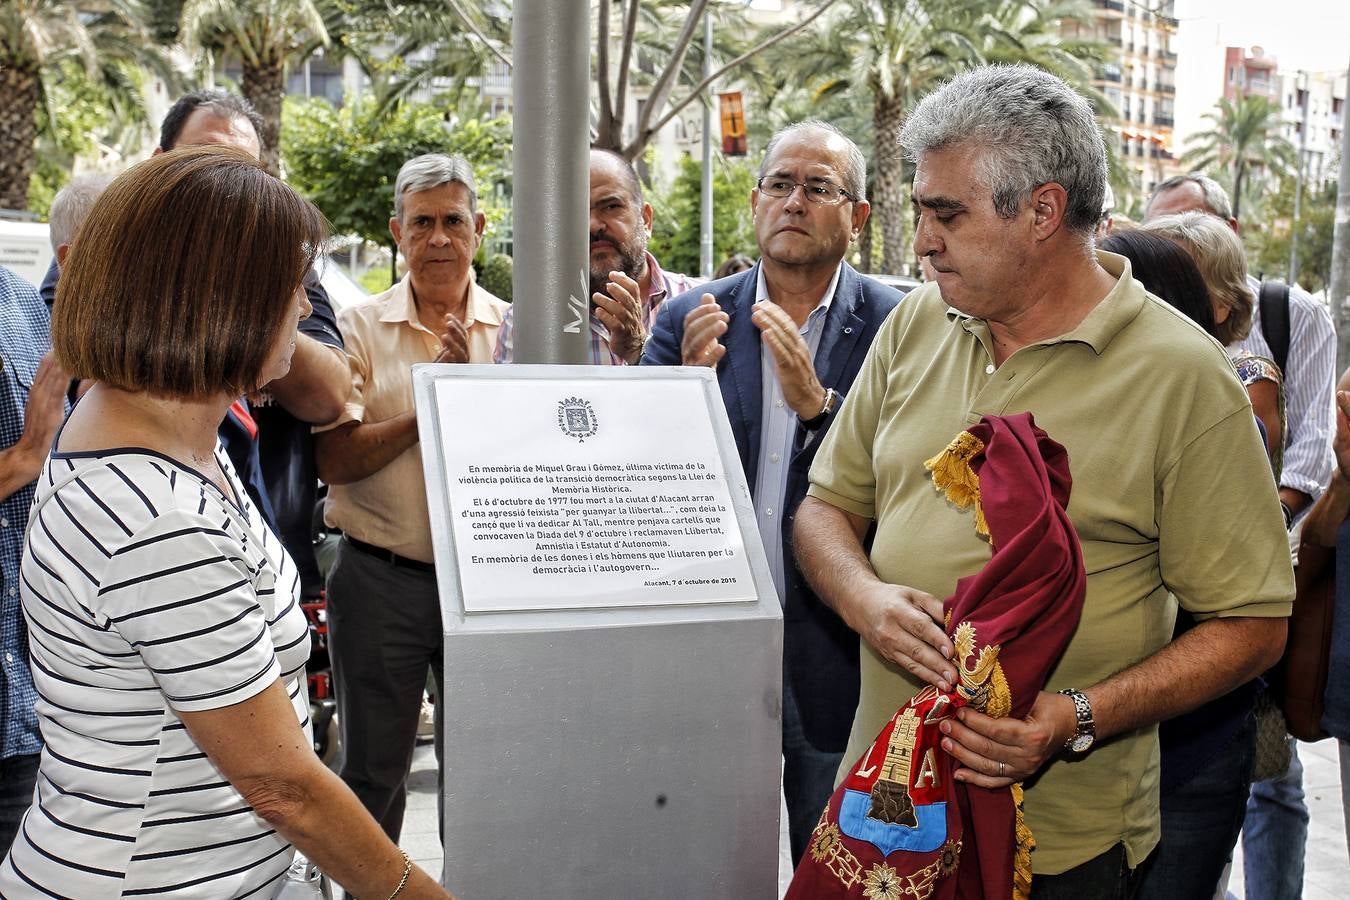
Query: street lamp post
550	165
1298	178
705	255
1338	291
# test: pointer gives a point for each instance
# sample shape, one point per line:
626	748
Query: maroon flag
899	826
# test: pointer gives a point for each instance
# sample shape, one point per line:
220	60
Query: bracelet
1288	515
407	870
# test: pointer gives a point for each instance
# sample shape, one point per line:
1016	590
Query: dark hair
630	176
736	262
222	103
1166	271
182	275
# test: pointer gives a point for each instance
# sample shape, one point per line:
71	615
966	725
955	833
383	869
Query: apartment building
1140	82
1320	98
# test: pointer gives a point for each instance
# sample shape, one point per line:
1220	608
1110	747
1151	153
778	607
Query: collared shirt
778	429
662	286
1172	498
25	335
1309	382
384	340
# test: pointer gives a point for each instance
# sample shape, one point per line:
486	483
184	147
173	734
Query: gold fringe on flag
953	475
1022	853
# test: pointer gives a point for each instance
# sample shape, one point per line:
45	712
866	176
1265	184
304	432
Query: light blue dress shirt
778	428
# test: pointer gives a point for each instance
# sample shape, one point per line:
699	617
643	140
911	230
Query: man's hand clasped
454	342
792	360
703	326
1341	441
619	308
994	753
905	626
46	407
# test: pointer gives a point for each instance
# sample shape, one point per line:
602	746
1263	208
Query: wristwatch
1086	732
830	405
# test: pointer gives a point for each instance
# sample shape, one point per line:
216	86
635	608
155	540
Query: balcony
1166	88
1109	73
1164	121
1114	5
1168	56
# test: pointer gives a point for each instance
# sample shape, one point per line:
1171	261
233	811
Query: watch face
1081	743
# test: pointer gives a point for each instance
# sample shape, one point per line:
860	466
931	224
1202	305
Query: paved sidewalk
1327	874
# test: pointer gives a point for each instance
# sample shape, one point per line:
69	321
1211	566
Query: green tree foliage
675	215
434	47
40	42
655	44
495	275
1268	233
1243	142
345	160
894	52
267	37
76	115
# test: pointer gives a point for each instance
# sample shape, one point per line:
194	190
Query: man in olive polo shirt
1172	495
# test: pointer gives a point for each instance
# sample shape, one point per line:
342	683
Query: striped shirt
148	592
1309	377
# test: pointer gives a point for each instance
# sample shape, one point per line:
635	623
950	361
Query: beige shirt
1172	497
384	340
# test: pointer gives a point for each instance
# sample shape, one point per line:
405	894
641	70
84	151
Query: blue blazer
820	653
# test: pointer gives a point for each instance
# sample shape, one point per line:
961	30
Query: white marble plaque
597	494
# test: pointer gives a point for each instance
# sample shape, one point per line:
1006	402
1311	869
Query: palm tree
1245	141
653	43
421	47
267	36
38	39
899	50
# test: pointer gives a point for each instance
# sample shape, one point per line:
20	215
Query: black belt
389	556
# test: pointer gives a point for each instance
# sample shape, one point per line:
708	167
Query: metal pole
550	87
1338	293
1298	179
705	255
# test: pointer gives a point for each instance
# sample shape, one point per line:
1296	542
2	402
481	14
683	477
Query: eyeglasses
817	190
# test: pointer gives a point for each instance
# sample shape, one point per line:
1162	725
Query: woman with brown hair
1219	256
168	647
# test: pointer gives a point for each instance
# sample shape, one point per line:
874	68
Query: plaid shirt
664	285
25	335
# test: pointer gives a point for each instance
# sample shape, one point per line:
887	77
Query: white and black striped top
146	592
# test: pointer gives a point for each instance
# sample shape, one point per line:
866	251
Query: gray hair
1219	255
430	171
1216	198
1034	129
71	206
855	166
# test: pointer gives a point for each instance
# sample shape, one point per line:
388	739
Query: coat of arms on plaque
577	419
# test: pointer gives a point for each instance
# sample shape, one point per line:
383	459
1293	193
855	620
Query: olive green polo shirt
1172	497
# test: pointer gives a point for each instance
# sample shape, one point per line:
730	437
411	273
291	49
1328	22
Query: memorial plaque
585	501
613	639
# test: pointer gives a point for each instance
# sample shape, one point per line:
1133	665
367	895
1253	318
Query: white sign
568	495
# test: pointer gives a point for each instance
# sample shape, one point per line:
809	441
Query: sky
1301	34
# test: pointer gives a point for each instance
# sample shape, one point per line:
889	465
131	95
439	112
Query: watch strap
1085	731
830	405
